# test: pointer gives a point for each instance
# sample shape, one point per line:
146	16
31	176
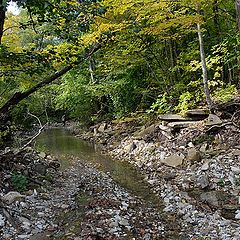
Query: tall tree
237	4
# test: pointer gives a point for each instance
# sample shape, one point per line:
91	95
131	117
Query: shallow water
63	145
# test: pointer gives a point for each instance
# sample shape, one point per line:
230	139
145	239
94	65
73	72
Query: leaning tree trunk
204	67
19	96
2	19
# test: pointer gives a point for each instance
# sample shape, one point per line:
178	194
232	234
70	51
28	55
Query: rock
236	152
205	166
171	117
203	182
179	125
102	127
124	222
210	198
198	114
213	120
42	154
40	168
2	221
203	148
173	160
11	197
147	131
236	170
237	216
129	148
193	155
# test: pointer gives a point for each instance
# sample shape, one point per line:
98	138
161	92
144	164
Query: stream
60	143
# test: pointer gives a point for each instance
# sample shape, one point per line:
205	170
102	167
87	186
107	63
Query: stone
203	182
124	222
210	198
11	197
179	125
2	221
213	120
129	148
193	155
197	113
236	152
236	170
237	216
147	131
205	166
173	160
42	154
40	168
203	148
102	127
171	117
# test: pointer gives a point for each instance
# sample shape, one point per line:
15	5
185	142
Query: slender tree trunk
2	19
237	4
204	67
92	69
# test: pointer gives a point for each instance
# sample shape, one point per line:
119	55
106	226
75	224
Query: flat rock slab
198	114
171	117
184	124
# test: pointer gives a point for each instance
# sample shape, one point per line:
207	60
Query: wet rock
193	155
11	197
173	160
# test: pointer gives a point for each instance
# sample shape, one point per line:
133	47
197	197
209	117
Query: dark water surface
63	145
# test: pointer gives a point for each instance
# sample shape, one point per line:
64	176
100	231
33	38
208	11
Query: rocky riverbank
193	167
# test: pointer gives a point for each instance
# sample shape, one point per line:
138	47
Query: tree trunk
238	14
204	67
19	96
2	19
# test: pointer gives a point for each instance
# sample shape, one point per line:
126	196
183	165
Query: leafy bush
225	94
161	105
20	182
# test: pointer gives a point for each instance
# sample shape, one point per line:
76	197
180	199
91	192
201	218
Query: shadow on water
60	143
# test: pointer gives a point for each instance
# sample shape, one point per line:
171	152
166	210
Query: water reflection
63	145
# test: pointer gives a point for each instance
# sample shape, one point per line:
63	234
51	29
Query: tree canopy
105	59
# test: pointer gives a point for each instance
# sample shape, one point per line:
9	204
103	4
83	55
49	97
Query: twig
37	134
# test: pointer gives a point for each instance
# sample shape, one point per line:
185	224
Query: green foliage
206	138
161	105
20	182
225	94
